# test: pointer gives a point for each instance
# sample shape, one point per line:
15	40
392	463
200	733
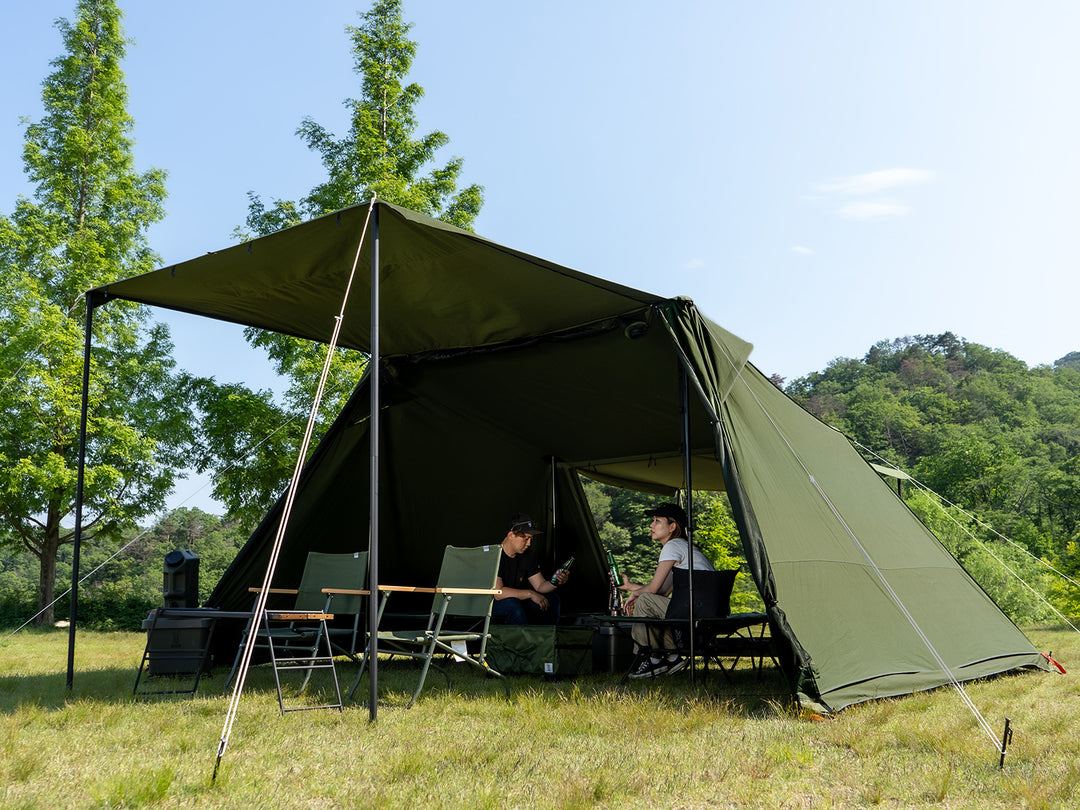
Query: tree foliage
382	155
620	519
85	226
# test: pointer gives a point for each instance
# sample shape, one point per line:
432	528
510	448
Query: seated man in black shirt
526	598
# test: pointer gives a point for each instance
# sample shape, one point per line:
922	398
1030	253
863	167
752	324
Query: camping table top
731	623
200	613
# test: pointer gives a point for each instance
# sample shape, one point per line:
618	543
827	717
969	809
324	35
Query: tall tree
380	155
85	226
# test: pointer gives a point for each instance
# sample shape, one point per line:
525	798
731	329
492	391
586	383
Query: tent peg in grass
1006	738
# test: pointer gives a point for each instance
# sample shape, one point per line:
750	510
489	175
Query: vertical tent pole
554	513
373	496
90	303
684	396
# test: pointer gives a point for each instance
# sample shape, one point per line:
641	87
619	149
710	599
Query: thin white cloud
694	264
874	209
805	251
875	182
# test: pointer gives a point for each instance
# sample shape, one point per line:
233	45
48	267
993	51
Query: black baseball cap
671	511
522	523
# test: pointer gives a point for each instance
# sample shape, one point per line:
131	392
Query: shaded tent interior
503	376
467	443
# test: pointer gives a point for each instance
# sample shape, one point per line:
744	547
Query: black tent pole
688	488
373	495
553	517
90	303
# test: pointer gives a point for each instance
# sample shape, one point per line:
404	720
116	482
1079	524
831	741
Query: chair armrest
293	591
350	591
415	589
298	615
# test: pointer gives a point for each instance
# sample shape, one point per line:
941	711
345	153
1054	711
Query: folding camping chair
718	633
712	600
465	589
331	588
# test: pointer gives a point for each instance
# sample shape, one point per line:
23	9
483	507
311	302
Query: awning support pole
553	518
373	495
79	481
688	488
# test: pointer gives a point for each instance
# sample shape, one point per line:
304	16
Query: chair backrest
712	594
333	571
469	568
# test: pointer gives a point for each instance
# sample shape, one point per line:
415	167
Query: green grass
564	744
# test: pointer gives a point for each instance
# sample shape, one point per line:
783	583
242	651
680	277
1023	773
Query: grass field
557	744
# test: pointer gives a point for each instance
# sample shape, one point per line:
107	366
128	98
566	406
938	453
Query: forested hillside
125	577
976	426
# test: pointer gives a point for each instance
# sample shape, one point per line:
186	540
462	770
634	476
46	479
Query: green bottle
615	606
565	566
613	570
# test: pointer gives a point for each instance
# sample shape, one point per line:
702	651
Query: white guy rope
112	557
941	501
260	604
967	514
1000	561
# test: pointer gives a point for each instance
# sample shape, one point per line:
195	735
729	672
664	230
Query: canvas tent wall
504	375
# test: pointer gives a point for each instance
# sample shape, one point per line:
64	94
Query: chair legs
439	646
428	654
240	653
309	662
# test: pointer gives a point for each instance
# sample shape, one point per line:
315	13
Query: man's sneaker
674	666
650	669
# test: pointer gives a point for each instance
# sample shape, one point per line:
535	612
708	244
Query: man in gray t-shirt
668	527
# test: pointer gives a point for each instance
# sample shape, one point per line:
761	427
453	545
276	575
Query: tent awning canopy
660	473
442	288
448	295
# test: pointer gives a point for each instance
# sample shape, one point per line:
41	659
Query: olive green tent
503	376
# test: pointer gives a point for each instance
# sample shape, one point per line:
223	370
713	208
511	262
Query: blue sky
816	176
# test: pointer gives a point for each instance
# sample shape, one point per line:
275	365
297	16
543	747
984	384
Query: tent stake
1006	738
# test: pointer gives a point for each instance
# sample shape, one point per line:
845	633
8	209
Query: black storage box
176	646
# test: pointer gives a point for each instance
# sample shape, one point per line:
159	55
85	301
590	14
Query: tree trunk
50	546
47	579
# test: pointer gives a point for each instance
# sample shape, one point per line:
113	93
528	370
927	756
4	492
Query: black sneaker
650	669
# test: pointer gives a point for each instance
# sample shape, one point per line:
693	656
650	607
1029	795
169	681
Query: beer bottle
565	567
